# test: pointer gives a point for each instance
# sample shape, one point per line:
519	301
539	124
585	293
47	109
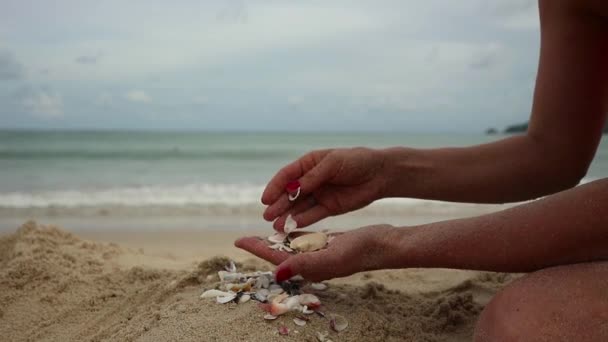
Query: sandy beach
121	285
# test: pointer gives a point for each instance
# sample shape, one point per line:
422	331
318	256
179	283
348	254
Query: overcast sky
420	65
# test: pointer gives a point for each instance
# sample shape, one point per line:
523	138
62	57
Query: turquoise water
170	168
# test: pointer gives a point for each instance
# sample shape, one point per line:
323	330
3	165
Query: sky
275	65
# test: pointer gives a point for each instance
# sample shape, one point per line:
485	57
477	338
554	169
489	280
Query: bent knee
566	303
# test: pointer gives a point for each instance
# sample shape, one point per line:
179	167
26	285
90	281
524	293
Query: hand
333	182
363	249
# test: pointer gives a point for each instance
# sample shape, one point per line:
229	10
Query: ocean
170	171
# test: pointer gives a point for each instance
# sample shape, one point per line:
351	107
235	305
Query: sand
104	286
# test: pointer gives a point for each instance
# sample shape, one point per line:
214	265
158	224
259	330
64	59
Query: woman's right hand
332	181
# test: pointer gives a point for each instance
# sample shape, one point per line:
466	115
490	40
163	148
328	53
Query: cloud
44	104
10	68
139	96
295	101
104	99
200	100
89	59
514	14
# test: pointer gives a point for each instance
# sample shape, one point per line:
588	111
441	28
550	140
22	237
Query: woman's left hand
358	250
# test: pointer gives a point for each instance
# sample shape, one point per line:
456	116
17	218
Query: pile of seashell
274	298
294	242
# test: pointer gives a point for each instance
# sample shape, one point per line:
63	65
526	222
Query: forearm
569	227
513	169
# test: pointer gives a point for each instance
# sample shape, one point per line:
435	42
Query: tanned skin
561	239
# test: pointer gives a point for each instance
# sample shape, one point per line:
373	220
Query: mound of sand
55	286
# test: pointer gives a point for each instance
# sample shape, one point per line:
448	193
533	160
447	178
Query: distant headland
522	127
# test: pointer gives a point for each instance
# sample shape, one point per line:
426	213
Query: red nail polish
292	186
283	274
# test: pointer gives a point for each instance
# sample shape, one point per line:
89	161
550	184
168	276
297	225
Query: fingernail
292	186
283	274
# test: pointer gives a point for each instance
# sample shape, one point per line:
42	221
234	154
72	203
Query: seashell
275	289
297	277
226	276
246	287
259	297
226	299
319	286
283	330
338	323
244	298
290	225
270	317
306	310
276	246
231	268
310	300
309	242
215	293
300	321
262	282
322	336
277	238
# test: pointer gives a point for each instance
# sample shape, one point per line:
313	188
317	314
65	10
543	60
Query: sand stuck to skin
55	286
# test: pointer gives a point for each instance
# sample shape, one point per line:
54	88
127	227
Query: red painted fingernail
292	186
283	274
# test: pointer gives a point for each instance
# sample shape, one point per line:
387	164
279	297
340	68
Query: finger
312	215
291	172
301	206
258	247
277	208
314	266
323	172
276	186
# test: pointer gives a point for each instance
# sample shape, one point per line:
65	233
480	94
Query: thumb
315	266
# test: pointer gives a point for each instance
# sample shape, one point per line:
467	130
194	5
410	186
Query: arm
569	227
565	125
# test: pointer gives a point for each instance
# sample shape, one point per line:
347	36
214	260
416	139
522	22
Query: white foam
193	194
206	195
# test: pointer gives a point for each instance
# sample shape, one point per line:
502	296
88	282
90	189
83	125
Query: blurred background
156	114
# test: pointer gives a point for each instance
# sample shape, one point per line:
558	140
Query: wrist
393	245
401	168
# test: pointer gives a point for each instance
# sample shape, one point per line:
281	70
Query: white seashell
244	298
285	248
318	286
215	293
231	268
229	276
276	246
290	225
262	282
275	289
322	336
309	300
297	277
277	238
293	303
306	310
262	297
270	317
226	299
299	322
309	242
338	323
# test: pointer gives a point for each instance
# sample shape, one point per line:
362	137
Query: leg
563	303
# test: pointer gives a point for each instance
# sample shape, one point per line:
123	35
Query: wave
192	195
202	195
145	154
